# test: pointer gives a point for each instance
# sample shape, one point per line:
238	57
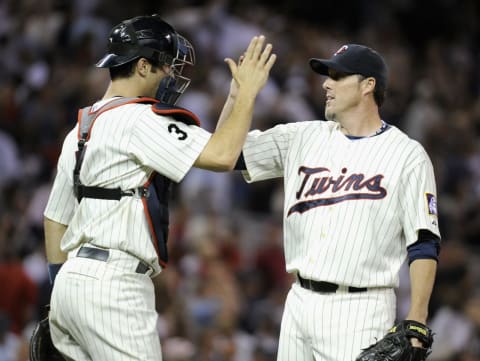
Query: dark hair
122	71
379	94
127	70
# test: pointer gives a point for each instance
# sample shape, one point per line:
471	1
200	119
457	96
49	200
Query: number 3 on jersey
173	128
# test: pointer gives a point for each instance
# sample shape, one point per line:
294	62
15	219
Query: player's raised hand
251	72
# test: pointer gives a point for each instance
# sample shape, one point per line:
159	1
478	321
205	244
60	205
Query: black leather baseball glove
41	345
396	346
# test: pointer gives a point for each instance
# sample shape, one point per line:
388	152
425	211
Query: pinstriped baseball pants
333	326
104	311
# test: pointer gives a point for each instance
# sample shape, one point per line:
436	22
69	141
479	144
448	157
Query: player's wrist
245	95
418	317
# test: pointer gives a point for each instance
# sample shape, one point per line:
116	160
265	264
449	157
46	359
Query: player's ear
368	85
143	66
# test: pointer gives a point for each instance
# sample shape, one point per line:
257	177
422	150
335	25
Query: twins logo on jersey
319	187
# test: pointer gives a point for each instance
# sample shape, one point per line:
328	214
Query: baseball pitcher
360	198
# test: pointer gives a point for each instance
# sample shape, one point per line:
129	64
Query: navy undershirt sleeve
240	163
427	247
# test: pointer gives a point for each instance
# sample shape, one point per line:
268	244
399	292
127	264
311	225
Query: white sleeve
62	203
419	200
168	146
265	152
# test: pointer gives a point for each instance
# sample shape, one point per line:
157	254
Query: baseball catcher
396	345
41	345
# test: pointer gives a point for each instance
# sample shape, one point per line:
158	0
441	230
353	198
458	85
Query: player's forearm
54	232
224	147
229	103
422	278
226	110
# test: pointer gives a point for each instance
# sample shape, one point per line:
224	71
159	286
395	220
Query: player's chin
329	114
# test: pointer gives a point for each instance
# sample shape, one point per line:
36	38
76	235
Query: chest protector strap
154	193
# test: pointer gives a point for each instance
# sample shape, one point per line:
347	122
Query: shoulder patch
178	113
431	204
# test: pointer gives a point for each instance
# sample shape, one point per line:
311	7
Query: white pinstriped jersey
126	145
351	206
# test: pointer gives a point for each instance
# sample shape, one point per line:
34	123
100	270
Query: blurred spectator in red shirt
18	292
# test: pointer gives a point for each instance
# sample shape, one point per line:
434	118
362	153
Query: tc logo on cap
341	50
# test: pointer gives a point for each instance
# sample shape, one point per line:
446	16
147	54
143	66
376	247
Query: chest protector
154	193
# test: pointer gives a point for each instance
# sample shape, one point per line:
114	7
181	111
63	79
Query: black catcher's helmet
152	38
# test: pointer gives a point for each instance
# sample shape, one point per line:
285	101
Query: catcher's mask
152	38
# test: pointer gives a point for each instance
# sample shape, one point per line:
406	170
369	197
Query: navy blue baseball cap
354	59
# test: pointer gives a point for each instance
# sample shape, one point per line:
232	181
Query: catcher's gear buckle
140	192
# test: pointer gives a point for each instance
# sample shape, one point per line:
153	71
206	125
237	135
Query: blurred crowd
223	292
